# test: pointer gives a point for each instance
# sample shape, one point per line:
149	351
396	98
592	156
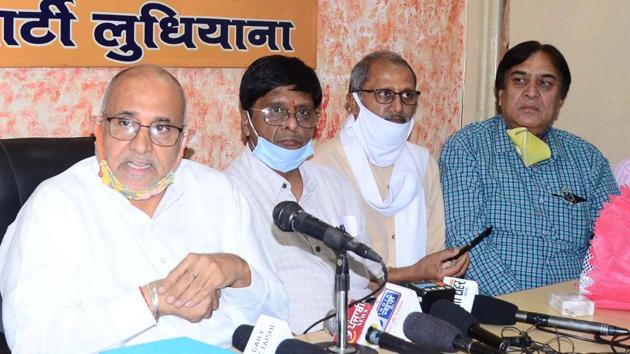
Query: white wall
594	36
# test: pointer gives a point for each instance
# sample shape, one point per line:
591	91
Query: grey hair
159	71
359	74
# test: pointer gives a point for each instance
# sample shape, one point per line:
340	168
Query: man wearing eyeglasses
539	187
399	181
135	244
279	105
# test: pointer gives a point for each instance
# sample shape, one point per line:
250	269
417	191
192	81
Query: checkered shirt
538	238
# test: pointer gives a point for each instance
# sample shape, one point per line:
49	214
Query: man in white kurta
279	99
74	263
305	265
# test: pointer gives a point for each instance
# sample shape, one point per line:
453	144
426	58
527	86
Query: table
537	300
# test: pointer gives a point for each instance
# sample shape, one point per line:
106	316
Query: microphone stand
342	286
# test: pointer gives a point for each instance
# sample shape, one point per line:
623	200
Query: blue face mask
279	158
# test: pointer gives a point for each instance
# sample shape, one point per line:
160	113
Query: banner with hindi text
175	33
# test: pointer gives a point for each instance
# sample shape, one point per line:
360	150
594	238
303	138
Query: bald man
131	245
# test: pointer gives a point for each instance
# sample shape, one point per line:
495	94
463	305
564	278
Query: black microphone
430	331
390	342
288	346
498	312
292	346
466	323
289	216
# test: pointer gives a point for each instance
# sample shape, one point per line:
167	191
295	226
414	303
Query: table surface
537	300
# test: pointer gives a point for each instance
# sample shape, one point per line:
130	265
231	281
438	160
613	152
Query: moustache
397	117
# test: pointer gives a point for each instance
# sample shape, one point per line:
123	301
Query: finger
449	254
461	265
218	299
212	303
175	274
187	287
204	293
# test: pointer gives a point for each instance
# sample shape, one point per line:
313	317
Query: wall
430	34
593	36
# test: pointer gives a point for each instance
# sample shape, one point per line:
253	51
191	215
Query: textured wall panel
430	34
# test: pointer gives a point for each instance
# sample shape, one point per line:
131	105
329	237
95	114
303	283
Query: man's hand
432	267
198	280
202	310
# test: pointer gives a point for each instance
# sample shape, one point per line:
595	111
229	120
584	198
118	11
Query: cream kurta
381	228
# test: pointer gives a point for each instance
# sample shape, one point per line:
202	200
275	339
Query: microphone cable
616	341
376	291
560	339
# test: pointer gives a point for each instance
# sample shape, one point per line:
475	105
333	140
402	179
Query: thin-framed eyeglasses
126	129
386	96
277	116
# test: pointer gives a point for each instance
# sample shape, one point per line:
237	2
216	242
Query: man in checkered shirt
542	211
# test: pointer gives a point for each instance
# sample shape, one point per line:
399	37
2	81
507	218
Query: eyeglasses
306	117
385	96
127	129
569	197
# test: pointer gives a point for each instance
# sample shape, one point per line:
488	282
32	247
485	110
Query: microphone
387	341
466	323
498	312
427	330
292	346
264	338
288	346
241	335
289	216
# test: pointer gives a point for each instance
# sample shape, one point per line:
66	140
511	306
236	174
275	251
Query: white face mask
382	140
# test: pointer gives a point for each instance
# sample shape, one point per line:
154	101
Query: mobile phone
467	247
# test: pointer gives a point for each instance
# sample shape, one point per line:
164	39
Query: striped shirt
540	236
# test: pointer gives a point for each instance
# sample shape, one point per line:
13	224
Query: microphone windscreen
453	314
283	214
293	346
241	336
489	310
424	329
330	325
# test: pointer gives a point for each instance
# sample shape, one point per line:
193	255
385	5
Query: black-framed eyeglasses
127	129
386	96
277	116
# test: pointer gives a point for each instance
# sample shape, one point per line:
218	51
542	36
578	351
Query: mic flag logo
386	307
394	305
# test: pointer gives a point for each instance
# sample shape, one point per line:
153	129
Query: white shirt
305	265
72	262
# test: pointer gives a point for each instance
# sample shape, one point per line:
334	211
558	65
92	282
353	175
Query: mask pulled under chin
110	180
529	147
382	140
277	157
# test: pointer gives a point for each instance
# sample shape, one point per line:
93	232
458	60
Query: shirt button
393	236
541	200
318	249
163	260
546	233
